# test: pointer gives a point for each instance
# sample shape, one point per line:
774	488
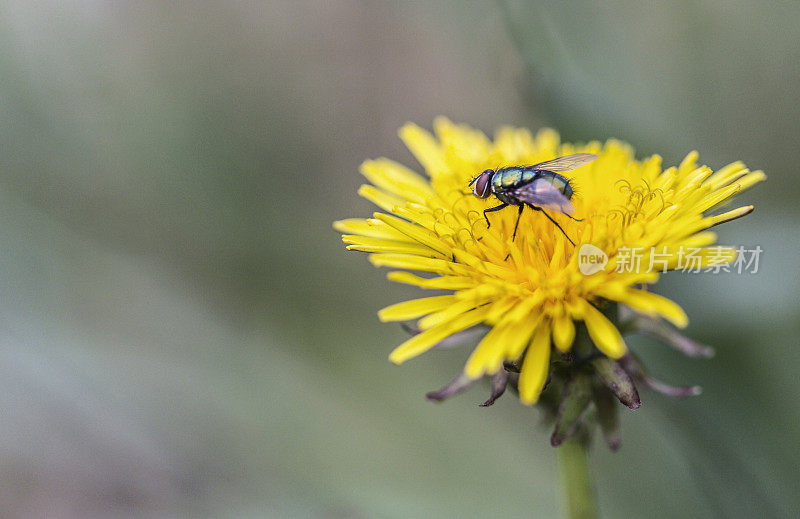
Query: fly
539	187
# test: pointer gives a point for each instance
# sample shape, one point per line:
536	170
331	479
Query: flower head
531	291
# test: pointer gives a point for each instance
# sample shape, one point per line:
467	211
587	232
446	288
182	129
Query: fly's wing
543	194
567	163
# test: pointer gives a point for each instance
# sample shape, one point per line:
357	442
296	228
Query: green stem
577	486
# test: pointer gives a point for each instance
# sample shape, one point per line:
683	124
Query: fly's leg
535	208
501	206
519	214
576	219
521	207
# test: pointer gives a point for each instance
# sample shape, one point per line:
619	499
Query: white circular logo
591	259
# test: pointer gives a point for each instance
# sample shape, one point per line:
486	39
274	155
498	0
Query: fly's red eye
482	184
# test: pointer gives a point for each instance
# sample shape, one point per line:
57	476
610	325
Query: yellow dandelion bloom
531	290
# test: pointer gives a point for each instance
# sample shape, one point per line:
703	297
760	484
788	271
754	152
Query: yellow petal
371	228
415	232
397	179
750	179
380	198
563	332
653	304
505	340
603	332
425	148
500	307
689	163
718	196
456	308
514	144
461	142
700	239
489	351
366	244
409	261
424	341
420	216
711	221
443	282
536	366
522	335
726	175
415	308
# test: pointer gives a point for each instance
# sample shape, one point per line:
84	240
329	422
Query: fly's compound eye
482	183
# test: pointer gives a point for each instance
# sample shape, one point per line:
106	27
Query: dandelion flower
530	292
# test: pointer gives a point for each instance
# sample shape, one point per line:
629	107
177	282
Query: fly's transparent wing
543	194
567	163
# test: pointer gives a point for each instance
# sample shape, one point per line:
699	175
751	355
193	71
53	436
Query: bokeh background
183	334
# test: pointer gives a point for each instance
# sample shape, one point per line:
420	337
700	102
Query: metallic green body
506	180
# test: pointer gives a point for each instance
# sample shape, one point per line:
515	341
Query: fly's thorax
503	181
510	178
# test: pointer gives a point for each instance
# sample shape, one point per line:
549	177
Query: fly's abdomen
558	182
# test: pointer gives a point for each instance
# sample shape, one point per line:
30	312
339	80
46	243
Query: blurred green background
184	335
